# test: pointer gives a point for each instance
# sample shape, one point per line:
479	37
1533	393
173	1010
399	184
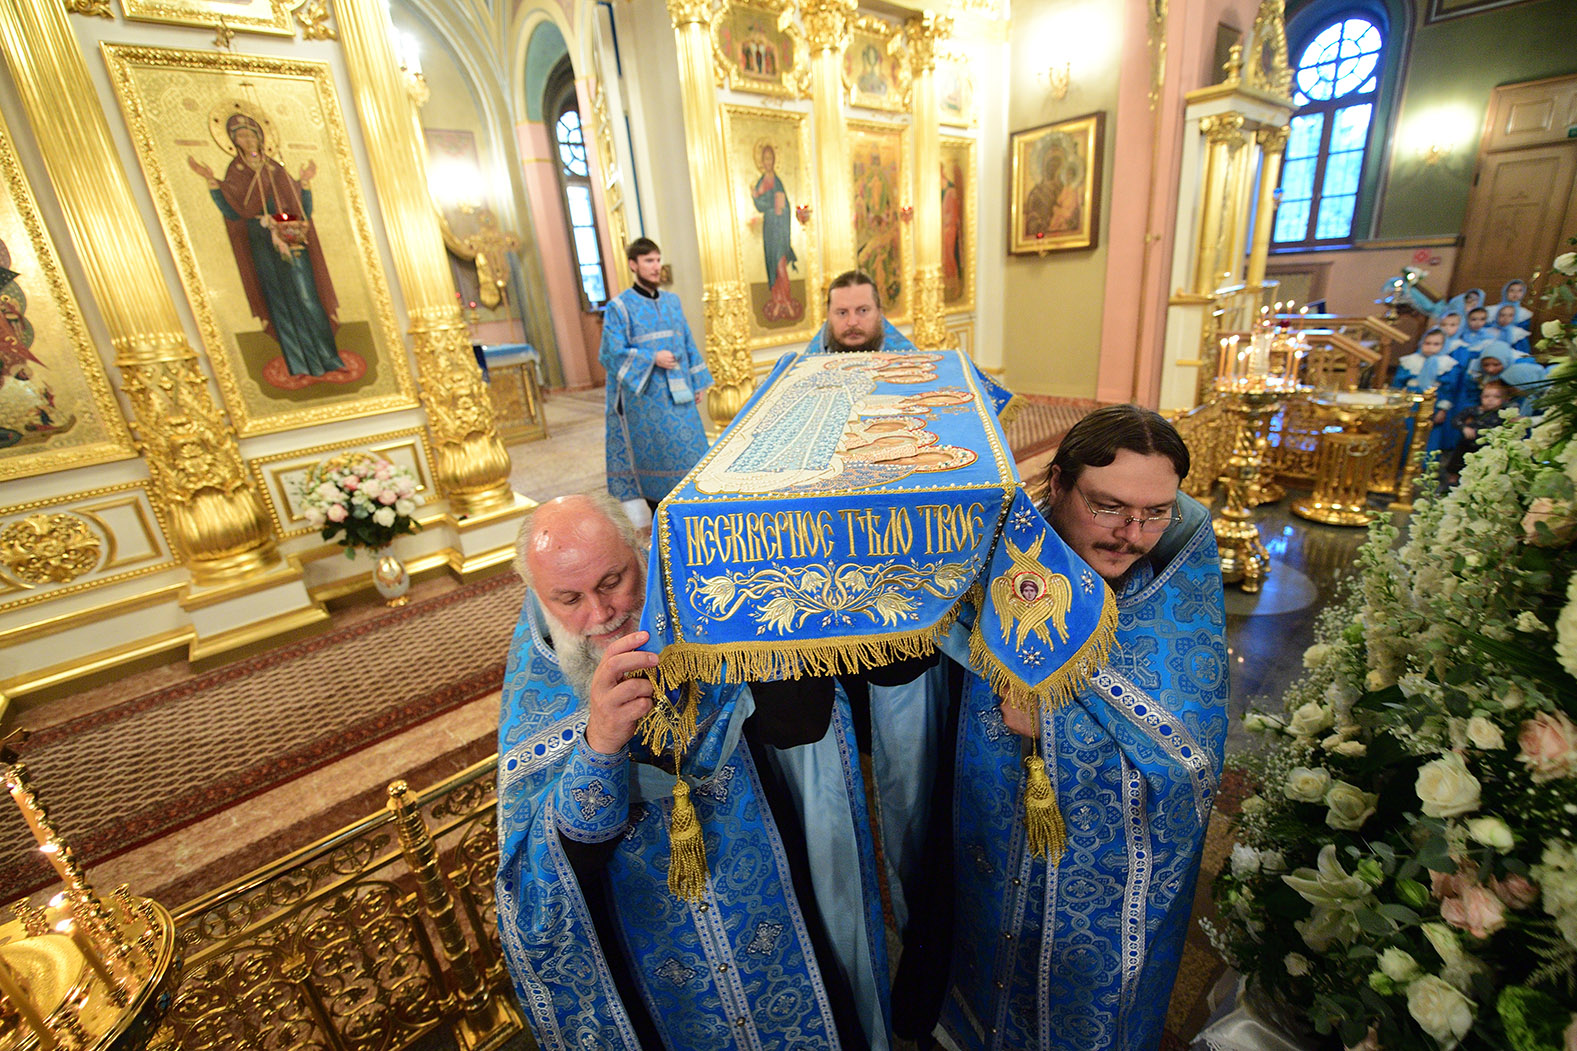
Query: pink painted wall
1147	168
578	353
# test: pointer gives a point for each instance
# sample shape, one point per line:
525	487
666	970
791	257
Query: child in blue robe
1465	302
1477	330
1514	292
1507	328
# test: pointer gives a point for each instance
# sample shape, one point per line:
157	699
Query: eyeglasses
1115	518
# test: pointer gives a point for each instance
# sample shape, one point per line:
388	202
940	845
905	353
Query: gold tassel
687	859
1042	820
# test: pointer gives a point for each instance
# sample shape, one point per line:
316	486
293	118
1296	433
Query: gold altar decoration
472	466
488	250
1244	560
48	548
37	308
313	18
725	298
216	522
172	98
84	971
925	34
1386	461
374	936
827	25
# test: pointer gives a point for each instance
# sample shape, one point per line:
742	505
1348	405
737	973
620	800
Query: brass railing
1208	430
367	940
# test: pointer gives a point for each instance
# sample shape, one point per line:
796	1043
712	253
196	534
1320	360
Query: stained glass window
1334	85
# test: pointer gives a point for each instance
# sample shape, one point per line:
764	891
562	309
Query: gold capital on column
471	464
685	12
827	24
1224	128
924	35
217	523
1274	140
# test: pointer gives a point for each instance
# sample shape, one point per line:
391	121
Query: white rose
1529	622
1446	788
330	492
1512	698
1271	861
1259	723
1245	860
1399	965
1307	785
1484	734
404	507
1492	832
1566	263
1349	805
1316	655
1252	805
315	517
1552	330
1296	963
384	516
1351	748
1440	1010
1310	719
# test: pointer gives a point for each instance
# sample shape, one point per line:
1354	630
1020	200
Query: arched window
575	175
1335	88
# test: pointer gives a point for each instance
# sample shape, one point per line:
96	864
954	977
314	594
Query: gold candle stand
1244	560
1343	465
84	972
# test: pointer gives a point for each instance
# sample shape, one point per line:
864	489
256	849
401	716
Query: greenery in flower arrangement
1406	875
361	500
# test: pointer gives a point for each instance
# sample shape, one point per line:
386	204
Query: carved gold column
924	33
1273	144
725	297
827	31
216	521
470	462
1224	133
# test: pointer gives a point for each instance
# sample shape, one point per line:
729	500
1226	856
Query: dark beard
872	344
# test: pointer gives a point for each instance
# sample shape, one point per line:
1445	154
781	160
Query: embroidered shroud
842	519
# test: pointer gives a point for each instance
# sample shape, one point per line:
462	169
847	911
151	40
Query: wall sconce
1058	78
1437	152
409	53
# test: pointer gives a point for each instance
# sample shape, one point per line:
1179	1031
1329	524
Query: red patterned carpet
1041	421
141	768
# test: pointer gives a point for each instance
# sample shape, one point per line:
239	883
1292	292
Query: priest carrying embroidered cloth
656	375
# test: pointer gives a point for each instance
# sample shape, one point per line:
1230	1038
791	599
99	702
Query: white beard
578	655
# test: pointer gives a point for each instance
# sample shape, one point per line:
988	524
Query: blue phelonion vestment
733	970
1083	955
654	432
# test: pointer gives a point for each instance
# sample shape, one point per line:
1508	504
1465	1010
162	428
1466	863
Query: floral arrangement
1406	875
360	499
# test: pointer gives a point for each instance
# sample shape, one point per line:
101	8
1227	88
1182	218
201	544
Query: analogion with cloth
856	504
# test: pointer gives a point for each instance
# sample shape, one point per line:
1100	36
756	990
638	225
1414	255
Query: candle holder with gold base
83	972
1343	465
1244	560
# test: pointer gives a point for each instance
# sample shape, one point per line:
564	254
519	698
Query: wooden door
1521	208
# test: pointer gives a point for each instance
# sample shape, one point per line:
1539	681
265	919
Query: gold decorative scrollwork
48	549
783	599
827	23
930	330
1273	140
488	249
313	17
471	463
1223	128
96	8
1267	67
926	33
726	305
683	12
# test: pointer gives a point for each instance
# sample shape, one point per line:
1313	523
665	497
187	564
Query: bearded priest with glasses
1078	948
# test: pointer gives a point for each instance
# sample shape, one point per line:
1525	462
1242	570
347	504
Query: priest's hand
1019	721
665	359
617	703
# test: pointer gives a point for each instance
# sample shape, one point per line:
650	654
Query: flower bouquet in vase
364	502
1406	875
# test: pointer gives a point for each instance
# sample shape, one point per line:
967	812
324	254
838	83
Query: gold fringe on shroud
1010	411
773	661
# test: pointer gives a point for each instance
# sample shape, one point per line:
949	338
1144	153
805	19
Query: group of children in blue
1477	359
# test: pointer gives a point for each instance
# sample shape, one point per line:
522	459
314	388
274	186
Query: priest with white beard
602	953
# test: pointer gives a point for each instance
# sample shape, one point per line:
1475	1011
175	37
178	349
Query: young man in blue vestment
656	375
1080	951
602	953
